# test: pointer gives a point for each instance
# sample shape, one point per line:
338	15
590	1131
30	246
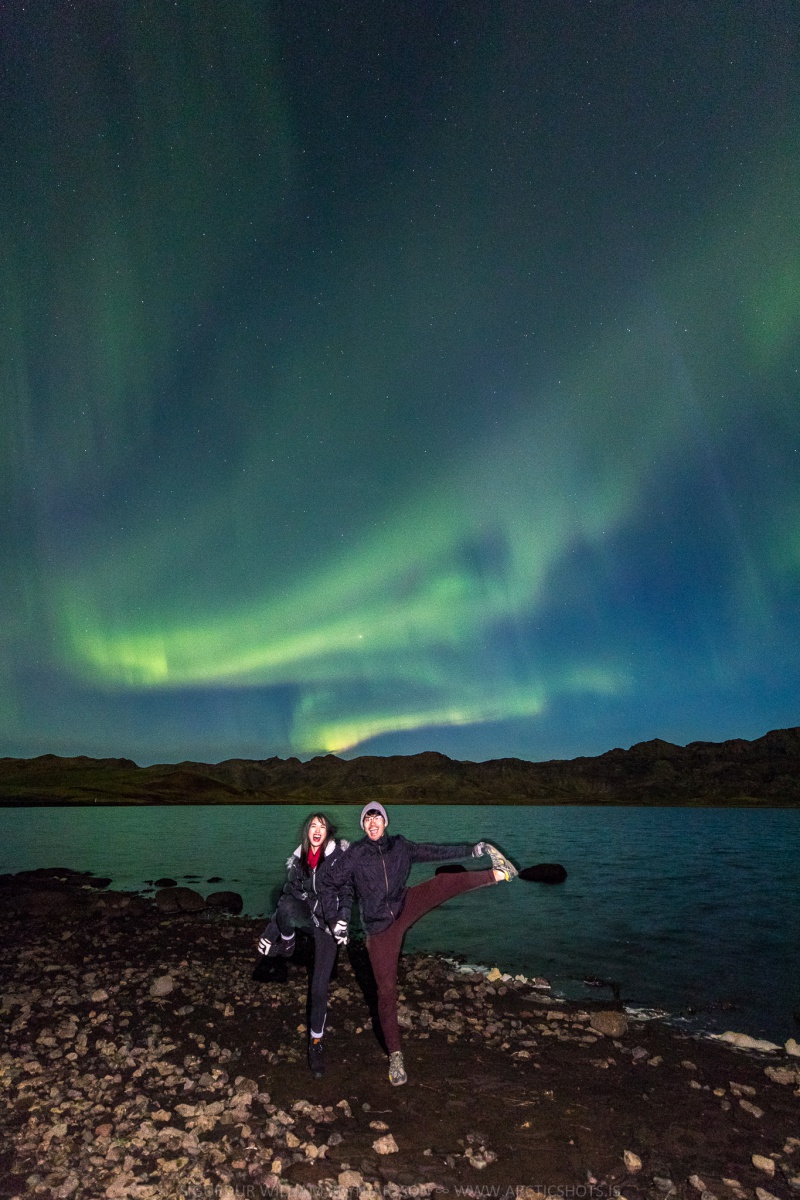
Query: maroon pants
384	948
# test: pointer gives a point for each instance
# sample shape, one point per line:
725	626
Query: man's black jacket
377	872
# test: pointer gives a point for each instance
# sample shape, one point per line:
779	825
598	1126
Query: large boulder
178	899
229	902
609	1023
544	873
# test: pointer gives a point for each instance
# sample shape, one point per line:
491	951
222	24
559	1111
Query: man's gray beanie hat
373	806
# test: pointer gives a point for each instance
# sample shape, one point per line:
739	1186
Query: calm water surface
696	911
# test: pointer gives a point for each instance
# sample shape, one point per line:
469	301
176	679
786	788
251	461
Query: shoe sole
501	863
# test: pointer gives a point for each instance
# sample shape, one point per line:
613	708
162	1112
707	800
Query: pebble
753	1109
632	1162
792	1047
612	1024
162	986
697	1183
385	1145
762	1163
785	1075
743	1041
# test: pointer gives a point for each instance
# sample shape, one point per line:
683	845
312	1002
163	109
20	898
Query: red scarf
313	857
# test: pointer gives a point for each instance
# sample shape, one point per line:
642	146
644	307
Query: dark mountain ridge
765	772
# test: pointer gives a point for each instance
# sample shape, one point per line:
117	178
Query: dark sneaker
284	947
316	1058
397	1071
500	862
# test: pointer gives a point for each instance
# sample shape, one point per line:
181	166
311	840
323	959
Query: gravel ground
139	1058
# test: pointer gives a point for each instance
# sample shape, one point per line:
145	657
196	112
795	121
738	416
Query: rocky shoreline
139	1058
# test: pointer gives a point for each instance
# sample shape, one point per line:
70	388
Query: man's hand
340	932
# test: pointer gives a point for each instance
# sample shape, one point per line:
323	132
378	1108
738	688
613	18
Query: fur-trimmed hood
342	844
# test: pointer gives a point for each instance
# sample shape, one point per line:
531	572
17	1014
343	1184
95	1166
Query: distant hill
764	772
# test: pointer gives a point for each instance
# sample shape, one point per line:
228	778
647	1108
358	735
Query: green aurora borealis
379	378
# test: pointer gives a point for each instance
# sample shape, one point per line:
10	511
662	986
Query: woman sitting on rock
303	905
377	867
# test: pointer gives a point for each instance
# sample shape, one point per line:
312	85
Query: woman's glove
339	931
478	850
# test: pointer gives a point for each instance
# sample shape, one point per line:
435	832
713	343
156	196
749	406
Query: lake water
695	911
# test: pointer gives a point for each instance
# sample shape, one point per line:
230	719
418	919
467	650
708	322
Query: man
377	868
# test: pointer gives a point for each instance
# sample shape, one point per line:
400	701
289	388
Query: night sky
380	377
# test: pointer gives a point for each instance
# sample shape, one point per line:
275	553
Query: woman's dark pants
292	914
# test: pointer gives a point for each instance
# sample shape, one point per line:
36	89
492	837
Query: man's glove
263	946
340	932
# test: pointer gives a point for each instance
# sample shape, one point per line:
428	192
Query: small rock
632	1162
763	1194
98	996
762	1163
379	1126
743	1041
697	1183
385	1145
753	1109
792	1047
162	986
783	1075
66	1188
612	1024
348	1179
166	882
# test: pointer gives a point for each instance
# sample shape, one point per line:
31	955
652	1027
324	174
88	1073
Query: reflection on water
684	908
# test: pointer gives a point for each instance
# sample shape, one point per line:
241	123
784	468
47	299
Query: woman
302	906
377	867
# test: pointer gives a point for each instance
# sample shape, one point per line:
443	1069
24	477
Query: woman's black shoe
316	1059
